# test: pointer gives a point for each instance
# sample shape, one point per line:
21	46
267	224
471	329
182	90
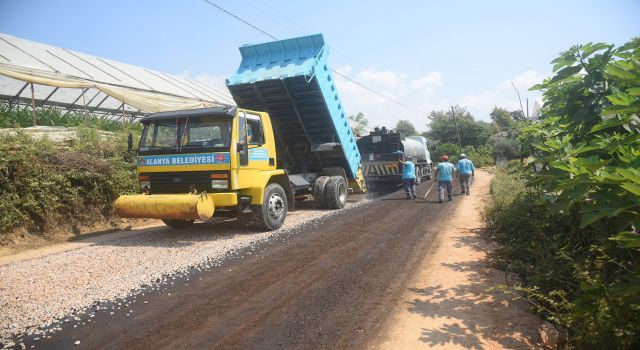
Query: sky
427	55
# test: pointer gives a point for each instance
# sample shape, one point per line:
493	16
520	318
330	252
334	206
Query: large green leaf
628	239
543	147
615	109
632	188
630	174
621	99
622	70
609	121
564	167
591	163
537	87
601	212
589	48
565	73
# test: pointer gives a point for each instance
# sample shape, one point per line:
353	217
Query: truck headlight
220	184
145	182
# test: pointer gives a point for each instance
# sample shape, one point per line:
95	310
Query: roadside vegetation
45	185
567	222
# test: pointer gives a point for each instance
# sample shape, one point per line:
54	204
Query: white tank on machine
416	147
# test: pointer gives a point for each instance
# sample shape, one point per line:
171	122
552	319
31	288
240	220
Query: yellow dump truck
232	161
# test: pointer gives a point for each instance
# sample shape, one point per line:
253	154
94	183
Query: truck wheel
177	223
319	191
418	175
336	192
271	214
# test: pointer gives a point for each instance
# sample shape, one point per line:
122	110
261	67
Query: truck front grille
182	182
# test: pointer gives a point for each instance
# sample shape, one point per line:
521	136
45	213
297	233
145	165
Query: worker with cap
465	172
444	176
409	177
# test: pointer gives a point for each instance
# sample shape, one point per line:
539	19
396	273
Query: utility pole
455	120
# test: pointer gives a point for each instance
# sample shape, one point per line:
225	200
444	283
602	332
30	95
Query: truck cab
219	158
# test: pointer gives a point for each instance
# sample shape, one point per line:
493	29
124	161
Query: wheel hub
276	206
342	193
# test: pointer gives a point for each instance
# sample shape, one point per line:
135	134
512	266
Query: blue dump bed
290	80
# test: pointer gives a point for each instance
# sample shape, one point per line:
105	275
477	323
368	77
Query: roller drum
165	206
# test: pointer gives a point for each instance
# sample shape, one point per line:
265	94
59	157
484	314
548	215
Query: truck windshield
186	135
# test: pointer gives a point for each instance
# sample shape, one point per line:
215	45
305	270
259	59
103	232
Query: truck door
253	156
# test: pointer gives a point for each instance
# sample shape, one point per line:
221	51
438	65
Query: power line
283	15
334	71
240	19
289	29
377	93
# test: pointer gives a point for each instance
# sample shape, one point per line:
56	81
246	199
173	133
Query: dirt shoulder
446	304
21	245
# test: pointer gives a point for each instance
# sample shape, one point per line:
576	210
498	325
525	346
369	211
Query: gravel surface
38	295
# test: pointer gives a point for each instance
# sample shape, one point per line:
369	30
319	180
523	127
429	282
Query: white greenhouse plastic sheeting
63	76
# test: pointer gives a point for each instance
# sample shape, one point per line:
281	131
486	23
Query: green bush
44	185
480	155
565	225
449	149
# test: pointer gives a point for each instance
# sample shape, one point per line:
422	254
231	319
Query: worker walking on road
465	172
444	176
409	177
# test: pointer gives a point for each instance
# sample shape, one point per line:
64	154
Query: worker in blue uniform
465	172
409	177
444	176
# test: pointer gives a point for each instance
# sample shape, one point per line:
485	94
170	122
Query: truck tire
319	191
336	192
271	214
177	223
418	175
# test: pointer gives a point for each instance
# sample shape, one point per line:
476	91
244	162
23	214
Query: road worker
409	177
465	172
444	176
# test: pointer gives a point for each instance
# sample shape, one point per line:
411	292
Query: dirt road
446	304
341	284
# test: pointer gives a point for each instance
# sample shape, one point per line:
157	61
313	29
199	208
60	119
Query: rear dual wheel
318	191
330	192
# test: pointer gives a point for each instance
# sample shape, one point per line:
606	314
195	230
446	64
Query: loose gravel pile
37	295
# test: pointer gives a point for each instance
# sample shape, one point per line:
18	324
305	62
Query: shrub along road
329	286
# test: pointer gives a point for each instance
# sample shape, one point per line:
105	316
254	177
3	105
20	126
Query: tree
358	123
472	133
449	149
517	115
406	128
503	146
501	117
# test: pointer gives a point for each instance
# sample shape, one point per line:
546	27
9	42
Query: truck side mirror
241	147
130	142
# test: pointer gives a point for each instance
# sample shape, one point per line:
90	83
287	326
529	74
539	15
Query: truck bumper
173	206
